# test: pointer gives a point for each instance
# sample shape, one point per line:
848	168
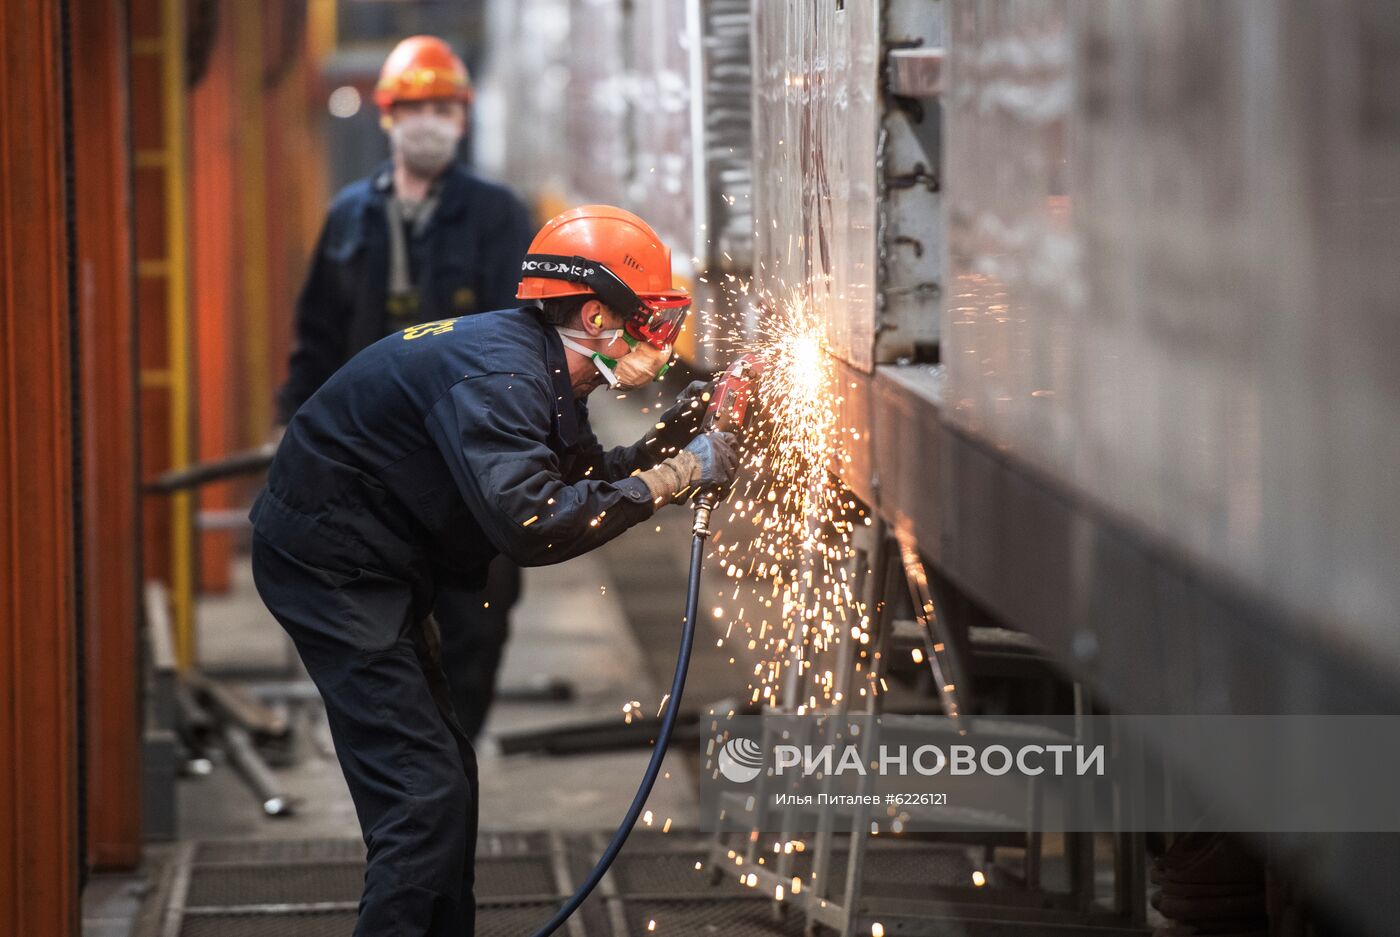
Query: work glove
694	393
681	421
709	461
718	455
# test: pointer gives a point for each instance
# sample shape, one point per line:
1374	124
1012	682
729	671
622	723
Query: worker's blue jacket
443	444
466	259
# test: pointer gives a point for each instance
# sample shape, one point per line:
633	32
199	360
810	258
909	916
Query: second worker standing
418	240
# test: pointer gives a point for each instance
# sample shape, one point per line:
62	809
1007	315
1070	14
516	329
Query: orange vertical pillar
38	718
297	37
284	194
288	157
255	215
213	191
107	399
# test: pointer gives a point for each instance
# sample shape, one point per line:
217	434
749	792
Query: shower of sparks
784	536
786	545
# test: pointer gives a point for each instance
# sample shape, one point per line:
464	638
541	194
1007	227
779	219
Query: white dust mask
426	142
642	365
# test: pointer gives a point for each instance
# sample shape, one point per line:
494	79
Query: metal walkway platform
310	888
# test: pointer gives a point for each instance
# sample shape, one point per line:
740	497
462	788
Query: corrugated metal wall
723	69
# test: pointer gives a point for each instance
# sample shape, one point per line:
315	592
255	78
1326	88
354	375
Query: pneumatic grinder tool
727	413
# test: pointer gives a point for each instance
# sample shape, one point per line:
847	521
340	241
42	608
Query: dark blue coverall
413	466
465	260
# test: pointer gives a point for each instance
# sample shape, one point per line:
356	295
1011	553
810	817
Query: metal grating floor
281	850
743	918
310	888
226	885
291	924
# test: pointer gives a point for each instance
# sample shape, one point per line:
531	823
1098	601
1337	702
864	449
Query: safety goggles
664	319
656	320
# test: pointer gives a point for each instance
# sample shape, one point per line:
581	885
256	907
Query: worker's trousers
474	627
369	645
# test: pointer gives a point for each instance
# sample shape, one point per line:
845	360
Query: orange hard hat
610	252
420	68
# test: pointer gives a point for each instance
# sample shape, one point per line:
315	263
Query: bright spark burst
787	542
786	545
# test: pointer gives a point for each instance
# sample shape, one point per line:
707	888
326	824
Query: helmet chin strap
567	336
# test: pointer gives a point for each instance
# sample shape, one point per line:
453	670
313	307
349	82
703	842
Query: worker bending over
420	239
425	456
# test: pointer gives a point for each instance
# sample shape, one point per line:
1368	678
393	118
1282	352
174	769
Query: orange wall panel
39	850
110	521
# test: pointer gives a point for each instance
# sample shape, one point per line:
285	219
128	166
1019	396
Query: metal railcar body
1148	244
1111	287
